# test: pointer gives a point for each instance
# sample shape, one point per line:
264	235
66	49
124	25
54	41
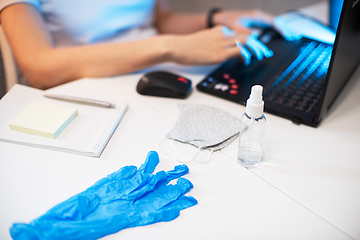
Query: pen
87	101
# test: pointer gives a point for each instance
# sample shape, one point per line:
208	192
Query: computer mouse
164	84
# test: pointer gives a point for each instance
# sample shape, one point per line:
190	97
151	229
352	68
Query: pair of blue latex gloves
259	49
126	198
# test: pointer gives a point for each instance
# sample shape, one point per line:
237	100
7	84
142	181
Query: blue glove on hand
259	49
280	24
126	198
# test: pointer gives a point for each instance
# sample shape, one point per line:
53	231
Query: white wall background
271	6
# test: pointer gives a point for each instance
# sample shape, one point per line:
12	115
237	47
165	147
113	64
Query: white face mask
204	127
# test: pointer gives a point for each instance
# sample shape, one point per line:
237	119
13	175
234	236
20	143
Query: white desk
308	186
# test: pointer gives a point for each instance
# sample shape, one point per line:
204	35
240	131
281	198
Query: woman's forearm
59	65
178	23
168	21
45	65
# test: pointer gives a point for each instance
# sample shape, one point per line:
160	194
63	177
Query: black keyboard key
300	85
270	98
310	94
296	97
309	110
300	108
300	92
290	105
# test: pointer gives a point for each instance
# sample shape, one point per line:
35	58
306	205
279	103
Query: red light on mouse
182	79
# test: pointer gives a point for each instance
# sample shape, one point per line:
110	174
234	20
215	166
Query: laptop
302	79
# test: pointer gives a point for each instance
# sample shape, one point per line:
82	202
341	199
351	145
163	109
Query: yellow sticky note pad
43	119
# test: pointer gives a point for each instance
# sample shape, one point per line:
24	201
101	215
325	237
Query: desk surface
308	186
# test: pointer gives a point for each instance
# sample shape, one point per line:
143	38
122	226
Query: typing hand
245	21
282	26
304	26
126	198
279	23
257	48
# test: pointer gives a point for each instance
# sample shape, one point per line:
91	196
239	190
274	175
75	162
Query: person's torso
74	22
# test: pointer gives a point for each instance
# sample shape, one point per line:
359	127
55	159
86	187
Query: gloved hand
259	49
126	198
279	24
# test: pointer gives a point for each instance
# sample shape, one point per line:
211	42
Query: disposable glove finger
184	185
227	32
247	55
159	179
258	47
179	170
283	28
181	203
152	160
262	48
163	195
251	43
153	205
126	188
172	210
21	231
244	53
166	213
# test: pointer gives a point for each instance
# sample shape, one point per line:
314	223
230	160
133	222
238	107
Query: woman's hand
208	46
242	21
233	19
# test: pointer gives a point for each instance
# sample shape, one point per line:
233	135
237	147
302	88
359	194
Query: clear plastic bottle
253	124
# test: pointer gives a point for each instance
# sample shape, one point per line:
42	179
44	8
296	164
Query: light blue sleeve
5	3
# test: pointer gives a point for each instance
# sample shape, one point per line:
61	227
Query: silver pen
87	101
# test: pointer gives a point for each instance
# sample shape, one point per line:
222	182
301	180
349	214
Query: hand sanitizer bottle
253	125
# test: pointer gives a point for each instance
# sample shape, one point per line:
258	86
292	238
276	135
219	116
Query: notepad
87	134
43	119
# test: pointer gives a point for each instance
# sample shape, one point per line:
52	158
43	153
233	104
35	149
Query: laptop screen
346	52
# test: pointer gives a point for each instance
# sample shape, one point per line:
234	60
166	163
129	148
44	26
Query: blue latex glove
280	24
293	26
259	49
306	26
126	198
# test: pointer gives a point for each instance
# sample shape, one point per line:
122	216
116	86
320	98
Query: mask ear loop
161	150
181	153
209	158
178	152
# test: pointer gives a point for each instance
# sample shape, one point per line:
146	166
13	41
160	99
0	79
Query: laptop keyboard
300	85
